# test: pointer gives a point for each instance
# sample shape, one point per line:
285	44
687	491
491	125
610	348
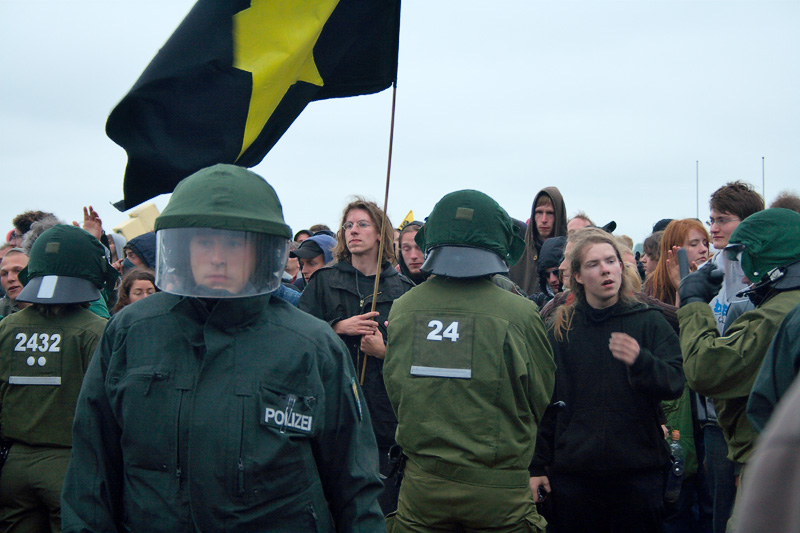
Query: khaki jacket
725	367
469	372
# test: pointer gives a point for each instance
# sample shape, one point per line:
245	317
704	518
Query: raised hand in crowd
91	222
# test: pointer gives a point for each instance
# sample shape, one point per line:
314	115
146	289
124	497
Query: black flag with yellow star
234	76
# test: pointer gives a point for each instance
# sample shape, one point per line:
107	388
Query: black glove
701	286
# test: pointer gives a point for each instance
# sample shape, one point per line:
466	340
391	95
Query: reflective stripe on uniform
34	380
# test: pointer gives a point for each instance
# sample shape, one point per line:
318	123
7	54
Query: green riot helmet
222	235
468	235
66	265
765	241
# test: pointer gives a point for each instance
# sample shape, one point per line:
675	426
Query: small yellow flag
409	218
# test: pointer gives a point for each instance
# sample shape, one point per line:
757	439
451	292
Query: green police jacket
236	415
469	372
42	364
725	367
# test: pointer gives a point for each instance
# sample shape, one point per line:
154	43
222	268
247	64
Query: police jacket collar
225	313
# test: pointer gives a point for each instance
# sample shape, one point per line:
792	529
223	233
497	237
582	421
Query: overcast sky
614	102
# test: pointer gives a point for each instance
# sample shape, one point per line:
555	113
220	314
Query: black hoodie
525	272
604	417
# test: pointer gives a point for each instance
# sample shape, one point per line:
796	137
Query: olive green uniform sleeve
725	367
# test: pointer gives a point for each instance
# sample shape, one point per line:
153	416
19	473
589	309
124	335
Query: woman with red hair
689	234
663	285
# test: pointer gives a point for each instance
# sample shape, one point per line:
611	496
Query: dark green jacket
725	367
242	418
778	372
493	345
42	364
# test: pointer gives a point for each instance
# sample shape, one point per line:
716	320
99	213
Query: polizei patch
288	419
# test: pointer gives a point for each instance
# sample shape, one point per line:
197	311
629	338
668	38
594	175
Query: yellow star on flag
274	40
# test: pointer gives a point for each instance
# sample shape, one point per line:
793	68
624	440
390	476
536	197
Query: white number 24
436	333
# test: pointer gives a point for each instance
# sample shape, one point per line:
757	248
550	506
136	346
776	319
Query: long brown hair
340	251
659	285
131	276
583	239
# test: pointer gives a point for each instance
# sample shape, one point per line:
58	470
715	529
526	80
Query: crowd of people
472	372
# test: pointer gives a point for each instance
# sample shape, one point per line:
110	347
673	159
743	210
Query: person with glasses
724	366
342	295
22	225
729	206
550	257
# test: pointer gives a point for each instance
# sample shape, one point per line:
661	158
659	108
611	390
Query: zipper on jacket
178	439
240	465
240	470
156	376
313	513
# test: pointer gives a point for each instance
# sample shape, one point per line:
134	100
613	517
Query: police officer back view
44	352
215	405
469	372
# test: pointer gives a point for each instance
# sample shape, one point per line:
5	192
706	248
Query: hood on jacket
550	256
524	273
145	247
324	243
418	278
552	253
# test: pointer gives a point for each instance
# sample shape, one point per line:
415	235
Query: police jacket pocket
275	459
139	394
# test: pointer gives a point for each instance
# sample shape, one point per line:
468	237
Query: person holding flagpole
342	295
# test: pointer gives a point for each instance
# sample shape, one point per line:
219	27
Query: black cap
302	231
661	225
610	227
307	250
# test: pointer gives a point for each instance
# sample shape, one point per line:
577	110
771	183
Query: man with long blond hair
342	295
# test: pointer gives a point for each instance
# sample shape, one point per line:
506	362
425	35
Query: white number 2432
42	342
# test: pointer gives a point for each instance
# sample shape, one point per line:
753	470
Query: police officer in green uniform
44	352
214	405
725	367
469	372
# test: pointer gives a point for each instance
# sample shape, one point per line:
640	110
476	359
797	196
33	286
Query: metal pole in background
697	187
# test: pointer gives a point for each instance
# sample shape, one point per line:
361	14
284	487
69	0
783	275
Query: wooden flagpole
384	222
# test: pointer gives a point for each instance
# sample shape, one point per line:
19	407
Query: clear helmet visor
734	278
214	263
733	252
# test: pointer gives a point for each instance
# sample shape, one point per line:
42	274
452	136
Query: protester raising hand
91	222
